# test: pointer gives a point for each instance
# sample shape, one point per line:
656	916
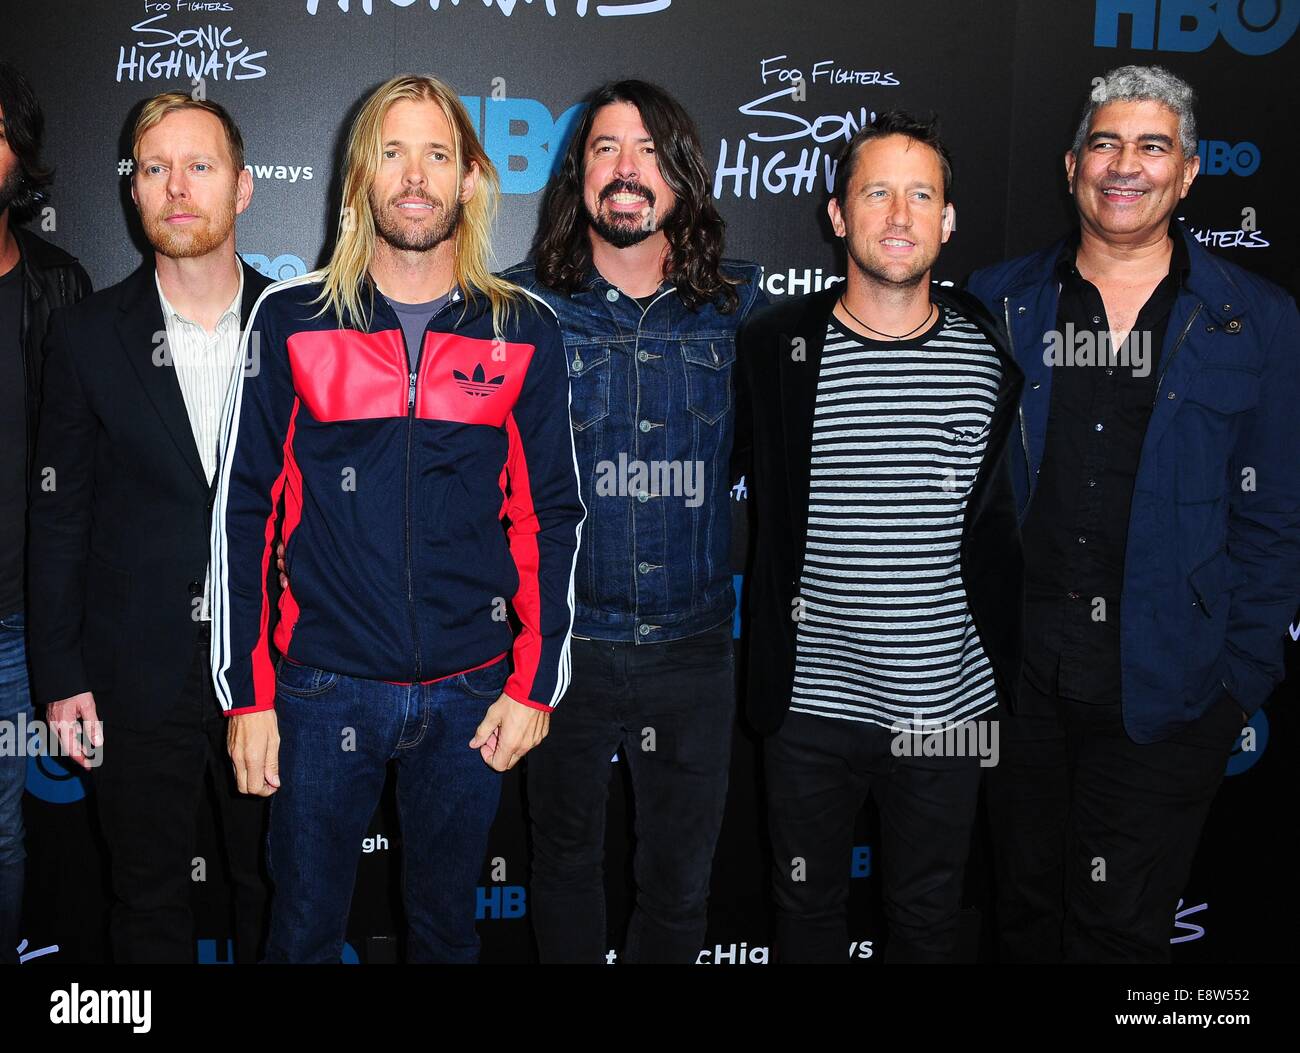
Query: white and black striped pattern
885	635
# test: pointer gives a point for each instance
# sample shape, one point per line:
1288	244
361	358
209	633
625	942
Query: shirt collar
1180	264
230	314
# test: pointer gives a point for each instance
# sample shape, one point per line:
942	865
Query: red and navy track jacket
415	500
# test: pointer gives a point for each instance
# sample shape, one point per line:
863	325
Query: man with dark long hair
35	278
629	255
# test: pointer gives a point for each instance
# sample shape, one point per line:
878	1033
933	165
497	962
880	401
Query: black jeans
819	771
668	709
1094	834
149	788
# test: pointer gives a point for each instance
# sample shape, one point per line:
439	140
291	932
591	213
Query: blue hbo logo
524	141
500	902
1249	746
1252	27
55	780
279	269
1221	158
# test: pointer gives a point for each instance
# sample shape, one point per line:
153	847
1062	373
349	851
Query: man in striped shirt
885	585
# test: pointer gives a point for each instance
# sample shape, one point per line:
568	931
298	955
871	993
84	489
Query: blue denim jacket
653	415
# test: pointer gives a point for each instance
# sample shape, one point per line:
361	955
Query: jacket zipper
1169	361
1020	408
410	584
412	375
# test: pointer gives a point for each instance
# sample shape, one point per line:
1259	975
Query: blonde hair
353	251
160	106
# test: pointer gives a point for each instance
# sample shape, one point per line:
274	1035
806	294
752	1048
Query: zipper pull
410	391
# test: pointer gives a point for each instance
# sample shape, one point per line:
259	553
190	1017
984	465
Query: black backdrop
1007	79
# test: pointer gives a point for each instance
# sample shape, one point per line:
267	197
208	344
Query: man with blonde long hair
407	437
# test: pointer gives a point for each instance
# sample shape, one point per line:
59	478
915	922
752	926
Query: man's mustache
627	186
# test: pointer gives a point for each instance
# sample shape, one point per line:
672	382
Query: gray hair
1142	84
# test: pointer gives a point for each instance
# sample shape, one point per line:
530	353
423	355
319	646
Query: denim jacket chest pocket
707	363
589	381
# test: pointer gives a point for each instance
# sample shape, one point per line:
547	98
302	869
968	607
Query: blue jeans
14	700
337	735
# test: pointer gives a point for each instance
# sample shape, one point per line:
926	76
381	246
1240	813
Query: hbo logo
1252	27
1220	158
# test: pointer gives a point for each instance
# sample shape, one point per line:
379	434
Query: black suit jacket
120	505
777	395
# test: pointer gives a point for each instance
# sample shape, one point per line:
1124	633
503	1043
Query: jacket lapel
143	333
1210	298
798	369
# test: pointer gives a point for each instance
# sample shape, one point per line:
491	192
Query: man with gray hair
1160	504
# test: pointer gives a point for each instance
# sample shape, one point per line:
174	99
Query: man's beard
10	188
623	231
879	271
195	239
445	222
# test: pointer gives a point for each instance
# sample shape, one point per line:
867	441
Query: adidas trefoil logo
478	385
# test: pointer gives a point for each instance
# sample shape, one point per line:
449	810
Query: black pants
819	771
669	711
1094	835
149	788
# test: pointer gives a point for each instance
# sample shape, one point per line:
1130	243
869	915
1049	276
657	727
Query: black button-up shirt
1076	529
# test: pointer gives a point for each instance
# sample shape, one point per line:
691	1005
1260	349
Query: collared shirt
1076	527
205	364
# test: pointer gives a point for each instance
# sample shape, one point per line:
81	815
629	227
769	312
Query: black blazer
51	279
119	509
777	393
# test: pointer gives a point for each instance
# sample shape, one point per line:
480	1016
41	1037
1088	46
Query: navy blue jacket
1212	567
397	480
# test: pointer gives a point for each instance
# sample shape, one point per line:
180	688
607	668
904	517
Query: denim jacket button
577	365
644	630
643	567
643	496
643	356
645	425
612	295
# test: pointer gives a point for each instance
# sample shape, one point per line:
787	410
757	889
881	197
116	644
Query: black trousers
669	711
819	772
149	789
1093	834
